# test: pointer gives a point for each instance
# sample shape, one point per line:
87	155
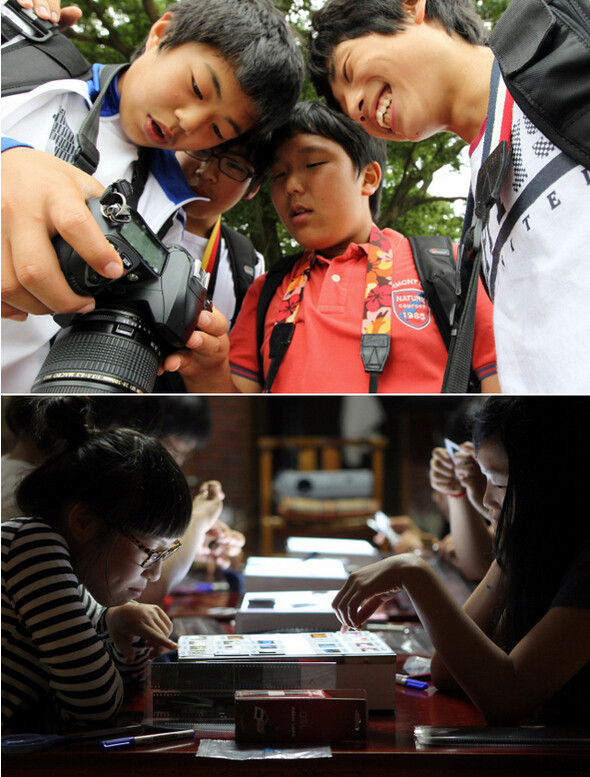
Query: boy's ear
416	9
252	193
82	522
158	29
371	178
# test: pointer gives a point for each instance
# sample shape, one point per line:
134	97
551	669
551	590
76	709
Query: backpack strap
34	52
435	264
434	258
543	48
243	259
273	280
496	156
17	21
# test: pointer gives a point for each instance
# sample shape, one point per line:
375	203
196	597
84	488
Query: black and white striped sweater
54	639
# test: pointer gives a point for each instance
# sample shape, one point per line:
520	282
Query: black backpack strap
435	264
543	49
273	280
489	184
34	52
456	378
436	267
16	21
243	259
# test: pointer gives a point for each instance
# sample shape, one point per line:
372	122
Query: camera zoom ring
107	361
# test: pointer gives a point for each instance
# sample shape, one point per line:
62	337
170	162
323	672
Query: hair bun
60	423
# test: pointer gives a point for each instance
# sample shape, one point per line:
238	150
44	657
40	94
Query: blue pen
147	739
409	682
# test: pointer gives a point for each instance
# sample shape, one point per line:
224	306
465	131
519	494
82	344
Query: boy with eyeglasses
215	69
352	286
220	178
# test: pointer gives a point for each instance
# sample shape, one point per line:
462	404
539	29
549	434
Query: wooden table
389	751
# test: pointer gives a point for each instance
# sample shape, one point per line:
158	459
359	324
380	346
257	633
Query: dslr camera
139	318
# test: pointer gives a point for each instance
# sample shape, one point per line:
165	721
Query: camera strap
376	325
87	157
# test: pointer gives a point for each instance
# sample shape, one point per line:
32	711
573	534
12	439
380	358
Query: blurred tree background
111	33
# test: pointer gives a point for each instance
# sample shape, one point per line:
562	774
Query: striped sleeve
49	641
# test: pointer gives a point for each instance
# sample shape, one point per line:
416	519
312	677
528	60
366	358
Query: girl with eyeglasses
102	515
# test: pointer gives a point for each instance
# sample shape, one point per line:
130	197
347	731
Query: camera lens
107	351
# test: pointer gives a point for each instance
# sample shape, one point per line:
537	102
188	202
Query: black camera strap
87	156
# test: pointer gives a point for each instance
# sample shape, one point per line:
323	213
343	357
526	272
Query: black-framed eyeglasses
227	165
152	556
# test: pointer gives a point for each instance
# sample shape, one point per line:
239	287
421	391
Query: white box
263	573
352	553
278	610
363	659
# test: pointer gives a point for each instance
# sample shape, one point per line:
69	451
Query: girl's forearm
464	653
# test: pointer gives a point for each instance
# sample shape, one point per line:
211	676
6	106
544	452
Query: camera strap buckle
113	204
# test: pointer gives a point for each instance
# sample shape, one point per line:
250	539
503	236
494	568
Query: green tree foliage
111	32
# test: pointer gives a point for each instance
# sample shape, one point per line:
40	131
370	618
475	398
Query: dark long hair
127	478
544	519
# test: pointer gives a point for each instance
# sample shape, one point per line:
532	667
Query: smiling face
392	84
493	461
182	98
319	196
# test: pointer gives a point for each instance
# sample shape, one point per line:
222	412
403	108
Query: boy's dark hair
255	38
317	118
126	478
340	20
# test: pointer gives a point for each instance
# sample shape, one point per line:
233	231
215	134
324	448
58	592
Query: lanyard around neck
212	248
376	324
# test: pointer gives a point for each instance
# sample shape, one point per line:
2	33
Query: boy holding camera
200	94
352	279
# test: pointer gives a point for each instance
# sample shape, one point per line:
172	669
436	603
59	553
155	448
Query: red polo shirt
324	355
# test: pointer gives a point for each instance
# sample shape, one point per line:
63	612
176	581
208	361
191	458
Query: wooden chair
309	454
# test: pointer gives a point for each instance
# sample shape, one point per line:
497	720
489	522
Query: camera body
139	318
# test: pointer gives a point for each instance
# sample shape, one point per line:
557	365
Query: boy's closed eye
199	94
238	166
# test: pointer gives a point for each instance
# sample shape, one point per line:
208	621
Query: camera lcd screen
145	244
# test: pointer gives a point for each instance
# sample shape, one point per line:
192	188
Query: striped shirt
55	644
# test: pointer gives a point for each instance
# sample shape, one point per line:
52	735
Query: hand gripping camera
139	318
